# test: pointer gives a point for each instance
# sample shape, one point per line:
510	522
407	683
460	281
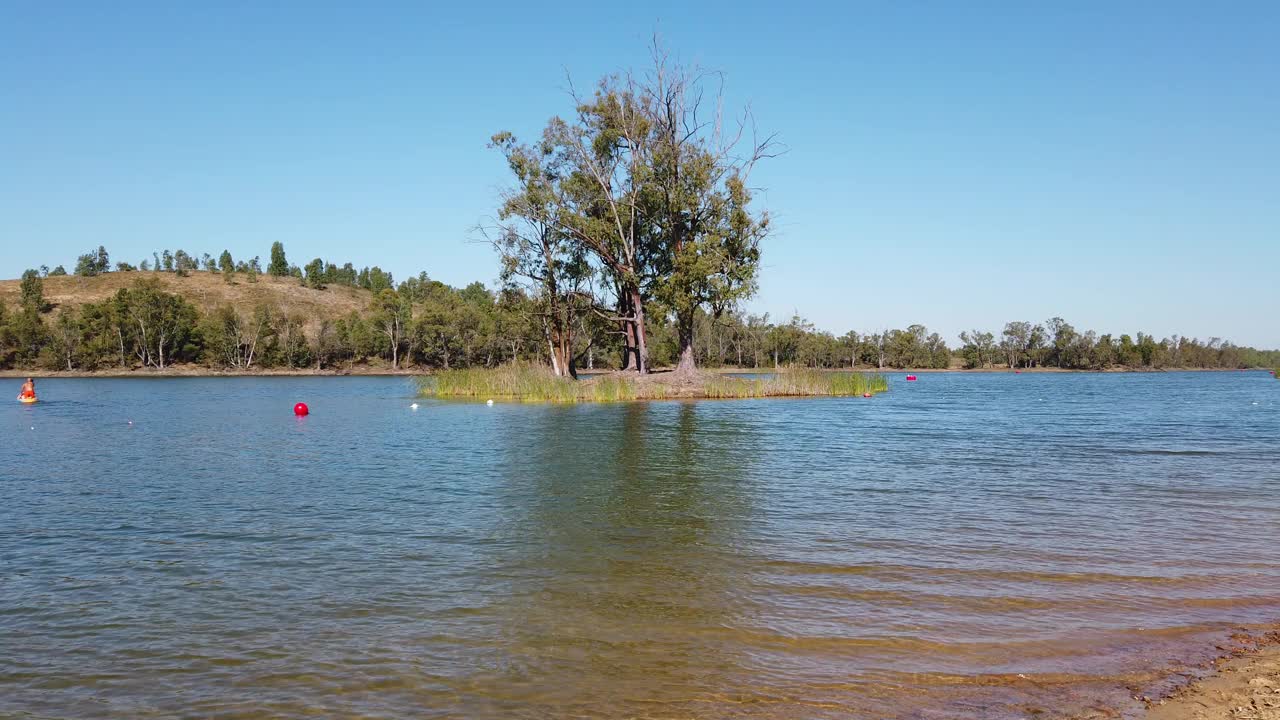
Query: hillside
206	291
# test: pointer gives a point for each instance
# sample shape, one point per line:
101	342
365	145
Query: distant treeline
425	323
316	274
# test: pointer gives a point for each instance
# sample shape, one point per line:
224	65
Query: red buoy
911	377
866	395
301	409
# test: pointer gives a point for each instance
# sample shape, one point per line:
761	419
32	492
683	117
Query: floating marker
301	409
413	406
866	395
911	377
489	403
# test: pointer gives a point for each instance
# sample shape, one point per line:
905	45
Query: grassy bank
536	383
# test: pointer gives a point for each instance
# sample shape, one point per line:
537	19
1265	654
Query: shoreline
378	371
1244	684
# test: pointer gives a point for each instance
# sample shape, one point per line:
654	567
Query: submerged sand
1243	688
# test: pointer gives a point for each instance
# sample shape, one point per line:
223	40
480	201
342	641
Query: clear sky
953	164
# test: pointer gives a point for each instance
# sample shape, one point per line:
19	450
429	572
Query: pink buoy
911	377
301	409
866	395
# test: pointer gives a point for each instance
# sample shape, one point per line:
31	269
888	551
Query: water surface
982	545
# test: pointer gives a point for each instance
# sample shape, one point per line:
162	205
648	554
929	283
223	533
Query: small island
536	383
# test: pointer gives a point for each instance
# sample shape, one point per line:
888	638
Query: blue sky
953	164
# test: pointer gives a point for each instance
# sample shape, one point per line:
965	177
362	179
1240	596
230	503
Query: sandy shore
1244	686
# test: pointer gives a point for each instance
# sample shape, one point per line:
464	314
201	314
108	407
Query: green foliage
93	263
978	349
314	274
635	203
427	324
164	322
799	382
183	263
31	292
519	380
279	265
58	271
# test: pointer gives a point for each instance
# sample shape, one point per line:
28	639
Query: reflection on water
631	558
983	546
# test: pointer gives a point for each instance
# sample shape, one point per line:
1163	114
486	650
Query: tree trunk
642	349
628	331
688	360
628	345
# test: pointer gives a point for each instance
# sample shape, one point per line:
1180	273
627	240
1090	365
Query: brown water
984	546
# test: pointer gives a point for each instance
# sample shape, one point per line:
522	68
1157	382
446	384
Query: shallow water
907	556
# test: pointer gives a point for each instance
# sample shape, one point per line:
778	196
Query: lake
968	545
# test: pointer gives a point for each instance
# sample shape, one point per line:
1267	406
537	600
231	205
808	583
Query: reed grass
536	383
524	381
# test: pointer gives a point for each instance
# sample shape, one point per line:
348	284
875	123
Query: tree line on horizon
424	323
316	274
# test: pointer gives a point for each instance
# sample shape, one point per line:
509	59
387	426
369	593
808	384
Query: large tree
707	237
539	256
645	183
279	265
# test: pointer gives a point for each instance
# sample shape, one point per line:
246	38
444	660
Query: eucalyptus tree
392	315
537	251
1016	341
163	322
645	184
707	237
979	348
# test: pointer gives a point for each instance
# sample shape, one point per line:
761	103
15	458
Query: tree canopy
637	206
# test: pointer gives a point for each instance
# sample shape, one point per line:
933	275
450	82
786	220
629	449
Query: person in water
28	389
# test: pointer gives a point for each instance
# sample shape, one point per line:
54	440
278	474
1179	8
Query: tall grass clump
609	388
525	381
803	381
798	382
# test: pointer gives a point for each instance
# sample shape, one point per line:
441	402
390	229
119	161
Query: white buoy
413	406
489	403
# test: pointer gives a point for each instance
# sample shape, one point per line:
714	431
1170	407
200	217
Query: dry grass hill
206	291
